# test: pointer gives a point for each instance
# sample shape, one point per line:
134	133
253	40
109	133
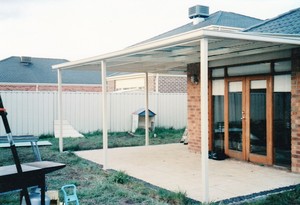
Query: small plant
119	177
46	136
95	133
178	198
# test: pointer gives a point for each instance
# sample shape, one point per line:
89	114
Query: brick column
295	111
151	83
193	97
111	86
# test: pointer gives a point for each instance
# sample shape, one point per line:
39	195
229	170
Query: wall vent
198	11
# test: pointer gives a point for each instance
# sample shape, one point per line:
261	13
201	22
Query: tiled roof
220	18
40	71
287	23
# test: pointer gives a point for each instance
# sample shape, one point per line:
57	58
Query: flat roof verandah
172	55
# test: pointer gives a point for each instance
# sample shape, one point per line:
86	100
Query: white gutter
176	40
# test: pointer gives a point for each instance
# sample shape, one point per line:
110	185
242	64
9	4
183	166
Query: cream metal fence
34	112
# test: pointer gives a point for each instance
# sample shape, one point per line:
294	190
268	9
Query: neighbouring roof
39	71
220	18
286	23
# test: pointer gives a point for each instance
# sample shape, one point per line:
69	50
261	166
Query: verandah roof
172	55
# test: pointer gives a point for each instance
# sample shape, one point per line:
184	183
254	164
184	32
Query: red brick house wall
151	83
193	112
295	109
111	86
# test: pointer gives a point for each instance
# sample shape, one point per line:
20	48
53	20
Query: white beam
250	59
185	51
250	51
104	115
59	108
204	116
146	110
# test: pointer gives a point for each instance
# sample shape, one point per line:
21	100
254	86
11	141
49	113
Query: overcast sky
75	29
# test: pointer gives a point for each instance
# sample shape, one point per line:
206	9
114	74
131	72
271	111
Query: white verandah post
204	116
146	110
59	108
104	114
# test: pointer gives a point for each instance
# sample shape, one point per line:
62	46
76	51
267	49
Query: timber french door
248	119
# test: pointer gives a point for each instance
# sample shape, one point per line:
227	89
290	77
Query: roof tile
287	23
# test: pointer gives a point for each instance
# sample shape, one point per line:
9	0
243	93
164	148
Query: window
218	106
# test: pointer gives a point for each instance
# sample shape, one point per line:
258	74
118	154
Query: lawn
96	186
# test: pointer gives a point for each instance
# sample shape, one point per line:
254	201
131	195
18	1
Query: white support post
146	110
104	115
204	116
59	108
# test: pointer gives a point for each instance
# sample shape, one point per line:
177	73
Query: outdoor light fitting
194	79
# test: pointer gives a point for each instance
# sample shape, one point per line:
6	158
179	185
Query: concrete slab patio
175	168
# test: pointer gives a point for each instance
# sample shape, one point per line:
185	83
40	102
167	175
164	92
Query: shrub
119	177
173	198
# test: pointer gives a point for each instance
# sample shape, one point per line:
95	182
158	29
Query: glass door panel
247	118
258	126
218	88
235	116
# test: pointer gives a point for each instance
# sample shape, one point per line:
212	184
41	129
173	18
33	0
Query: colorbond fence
35	112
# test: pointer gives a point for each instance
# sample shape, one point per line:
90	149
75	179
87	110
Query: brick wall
193	97
194	112
295	115
18	87
151	83
111	86
172	84
70	88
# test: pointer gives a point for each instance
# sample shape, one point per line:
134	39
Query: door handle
243	115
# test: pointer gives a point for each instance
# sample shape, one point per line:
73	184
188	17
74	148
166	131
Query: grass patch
93	140
285	198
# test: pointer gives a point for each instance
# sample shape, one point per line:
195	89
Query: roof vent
25	60
198	13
